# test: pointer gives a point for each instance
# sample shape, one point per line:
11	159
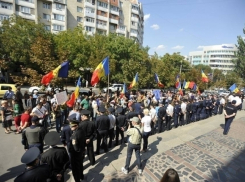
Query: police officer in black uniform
56	157
194	110
188	111
33	136
33	172
77	150
161	116
102	126
177	113
206	106
121	123
230	113
90	133
199	109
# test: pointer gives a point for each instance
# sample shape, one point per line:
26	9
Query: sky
187	25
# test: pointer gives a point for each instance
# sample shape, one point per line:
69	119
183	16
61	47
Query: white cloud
200	47
147	16
178	47
181	30
155	26
160	47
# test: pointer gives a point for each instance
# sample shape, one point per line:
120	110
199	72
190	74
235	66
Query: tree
239	61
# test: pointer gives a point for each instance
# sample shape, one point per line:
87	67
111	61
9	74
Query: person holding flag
134	82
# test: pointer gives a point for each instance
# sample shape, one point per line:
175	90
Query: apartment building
124	17
216	56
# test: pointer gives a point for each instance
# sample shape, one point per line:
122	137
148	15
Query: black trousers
181	119
119	131
111	136
77	165
188	117
168	122
102	135
221	107
90	152
159	123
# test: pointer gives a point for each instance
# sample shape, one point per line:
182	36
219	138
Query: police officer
210	106
206	106
194	110
161	114
216	105
33	172
56	157
177	113
199	109
102	126
90	133
121	124
188	111
77	150
33	136
230	113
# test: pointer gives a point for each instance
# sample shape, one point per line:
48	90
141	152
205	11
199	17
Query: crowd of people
132	117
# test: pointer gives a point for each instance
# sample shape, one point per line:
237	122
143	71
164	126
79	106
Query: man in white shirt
40	111
95	107
238	101
221	106
230	98
169	113
183	111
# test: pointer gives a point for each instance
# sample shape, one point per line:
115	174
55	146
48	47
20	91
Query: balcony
134	26
113	21
58	22
58	11
8	1
135	19
135	11
87	4
26	16
133	34
89	24
102	27
89	14
114	12
102	9
121	31
102	18
6	11
60	1
25	3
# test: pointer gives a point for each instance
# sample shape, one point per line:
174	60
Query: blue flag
63	72
157	94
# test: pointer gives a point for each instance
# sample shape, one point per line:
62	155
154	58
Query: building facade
124	17
216	56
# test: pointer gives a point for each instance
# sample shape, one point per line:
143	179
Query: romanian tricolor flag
124	90
186	85
177	83
179	89
234	88
101	70
191	85
204	77
60	71
74	95
134	82
158	81
195	87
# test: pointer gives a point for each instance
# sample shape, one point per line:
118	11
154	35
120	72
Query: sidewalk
198	151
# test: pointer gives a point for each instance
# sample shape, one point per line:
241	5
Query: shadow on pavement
12	173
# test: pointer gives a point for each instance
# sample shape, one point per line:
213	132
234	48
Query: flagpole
108	85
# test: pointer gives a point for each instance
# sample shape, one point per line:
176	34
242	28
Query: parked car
224	93
4	87
114	87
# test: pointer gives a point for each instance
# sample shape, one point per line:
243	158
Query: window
122	27
135	7
79	9
59	17
89	29
58	27
47	27
79	1
114	8
4	17
89	10
101	4
5	5
46	16
99	22
113	27
30	1
120	12
88	19
102	13
25	10
46	5
59	6
79	19
133	23
133	31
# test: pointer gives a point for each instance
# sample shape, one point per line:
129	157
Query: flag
179	89
194	87
124	90
184	83
234	88
204	77
191	84
158	81
177	81
187	85
198	91
134	82
74	95
60	71
101	70
157	94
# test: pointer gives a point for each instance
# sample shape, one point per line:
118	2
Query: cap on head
30	155
74	123
102	109
34	119
233	102
119	110
52	138
111	110
135	119
85	112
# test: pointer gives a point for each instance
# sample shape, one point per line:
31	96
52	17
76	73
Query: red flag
191	85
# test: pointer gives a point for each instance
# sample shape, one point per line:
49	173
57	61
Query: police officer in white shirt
169	115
